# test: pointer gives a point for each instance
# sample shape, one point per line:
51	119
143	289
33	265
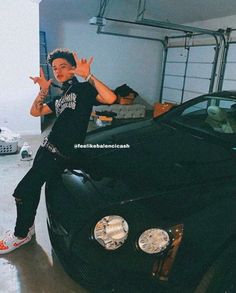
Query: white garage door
229	82
188	73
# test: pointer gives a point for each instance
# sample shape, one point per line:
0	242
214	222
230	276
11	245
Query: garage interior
165	52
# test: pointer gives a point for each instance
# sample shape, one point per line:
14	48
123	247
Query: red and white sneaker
10	242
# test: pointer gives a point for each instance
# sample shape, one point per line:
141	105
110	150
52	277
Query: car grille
89	276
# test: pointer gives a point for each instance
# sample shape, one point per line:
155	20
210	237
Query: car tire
221	277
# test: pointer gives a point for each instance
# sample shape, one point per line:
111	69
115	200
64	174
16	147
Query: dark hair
124	90
61	53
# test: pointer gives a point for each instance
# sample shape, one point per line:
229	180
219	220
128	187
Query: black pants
27	193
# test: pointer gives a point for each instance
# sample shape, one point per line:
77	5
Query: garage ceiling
175	11
187	11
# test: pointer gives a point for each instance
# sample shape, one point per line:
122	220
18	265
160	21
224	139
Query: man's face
61	69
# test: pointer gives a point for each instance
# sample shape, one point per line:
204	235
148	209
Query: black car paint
196	188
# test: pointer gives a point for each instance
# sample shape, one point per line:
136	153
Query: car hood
161	157
134	167
124	150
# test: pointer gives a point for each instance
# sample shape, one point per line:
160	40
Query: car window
211	114
193	116
196	109
227	104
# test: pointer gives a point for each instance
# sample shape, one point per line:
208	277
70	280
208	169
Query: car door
204	152
209	156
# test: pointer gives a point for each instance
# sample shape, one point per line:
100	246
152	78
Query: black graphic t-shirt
73	110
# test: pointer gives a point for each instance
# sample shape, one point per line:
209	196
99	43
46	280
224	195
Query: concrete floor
32	268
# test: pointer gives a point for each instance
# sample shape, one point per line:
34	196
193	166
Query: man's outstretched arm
105	94
38	107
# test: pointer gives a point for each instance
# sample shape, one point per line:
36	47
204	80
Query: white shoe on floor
10	242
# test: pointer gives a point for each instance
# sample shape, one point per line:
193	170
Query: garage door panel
174	82
199	70
229	85
189	96
172	96
177	54
175	68
197	85
229	80
231	57
201	54
230	71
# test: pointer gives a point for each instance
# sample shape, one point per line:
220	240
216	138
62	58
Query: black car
151	206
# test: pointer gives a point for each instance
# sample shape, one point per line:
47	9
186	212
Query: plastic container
26	152
8	141
8	147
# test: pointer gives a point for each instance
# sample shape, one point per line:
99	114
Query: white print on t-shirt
68	101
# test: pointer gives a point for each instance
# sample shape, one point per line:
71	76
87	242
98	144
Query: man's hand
41	80
82	66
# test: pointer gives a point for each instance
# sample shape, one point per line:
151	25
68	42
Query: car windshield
209	114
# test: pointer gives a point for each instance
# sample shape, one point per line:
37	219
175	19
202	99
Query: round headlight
153	240
111	232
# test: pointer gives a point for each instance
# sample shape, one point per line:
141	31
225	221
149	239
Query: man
73	110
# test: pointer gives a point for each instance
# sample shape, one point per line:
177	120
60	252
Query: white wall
19	55
117	60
